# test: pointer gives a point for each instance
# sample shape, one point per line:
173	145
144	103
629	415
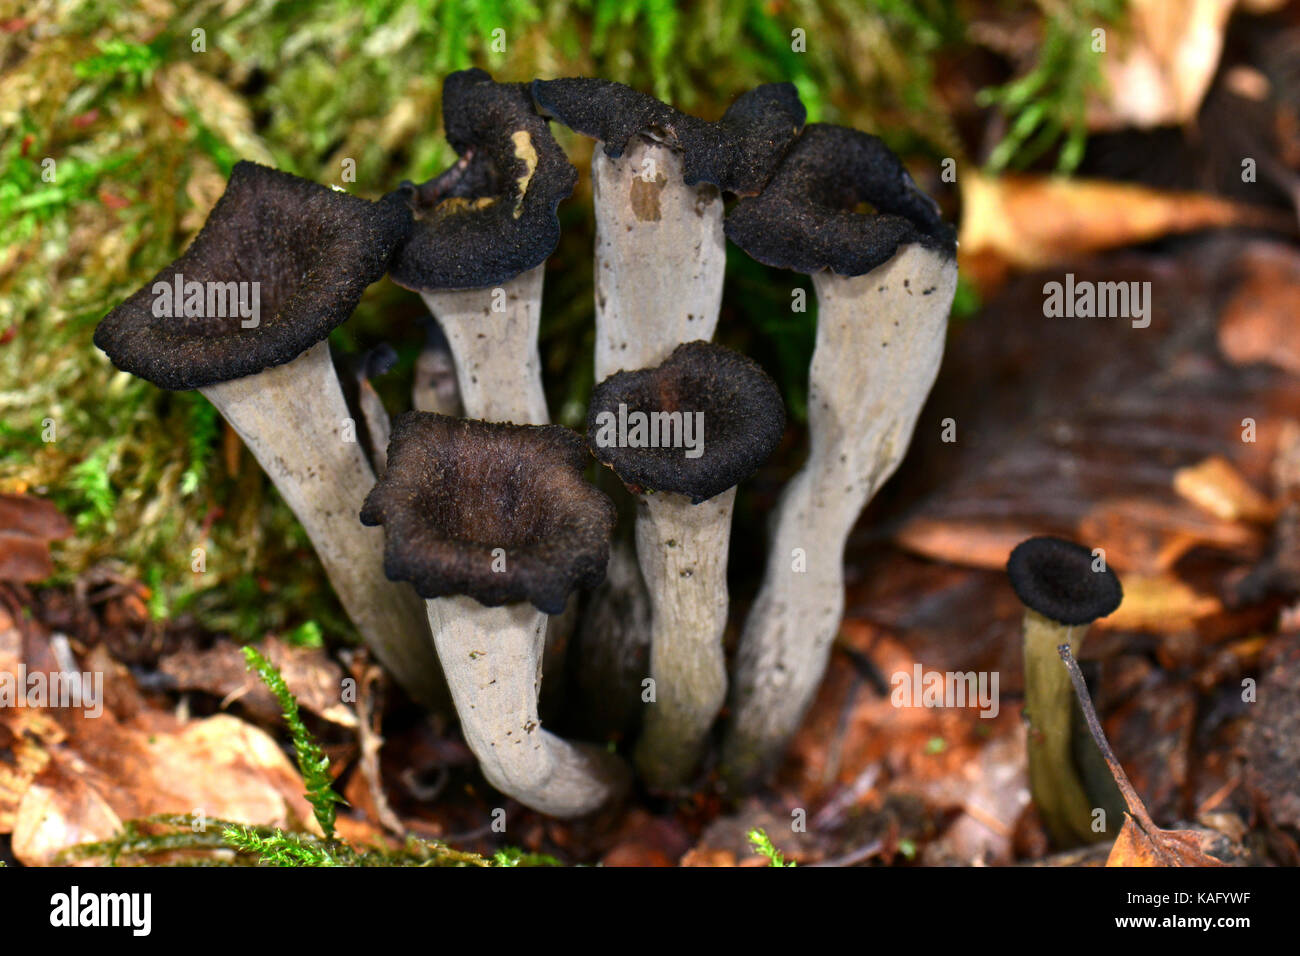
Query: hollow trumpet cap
809	216
498	512
728	404
492	214
737	153
311	251
1055	577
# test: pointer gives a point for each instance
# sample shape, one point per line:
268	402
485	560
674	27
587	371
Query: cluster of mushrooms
457	542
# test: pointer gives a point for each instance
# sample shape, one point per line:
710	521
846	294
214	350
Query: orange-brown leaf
1138	846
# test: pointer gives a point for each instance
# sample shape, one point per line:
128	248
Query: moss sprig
312	762
764	847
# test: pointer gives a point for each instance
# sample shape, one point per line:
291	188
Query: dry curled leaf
1216	487
1159	603
1158	68
1033	221
1137	845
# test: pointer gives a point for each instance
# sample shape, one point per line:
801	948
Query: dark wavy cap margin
744	419
492	214
738	153
807	219
312	249
1054	577
456	489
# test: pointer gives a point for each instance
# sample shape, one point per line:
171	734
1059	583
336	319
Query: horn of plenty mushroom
660	258
305	254
657	185
682	435
1063	590
483	230
884	284
495	526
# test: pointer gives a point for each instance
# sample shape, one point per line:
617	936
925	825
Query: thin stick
1131	798
854	857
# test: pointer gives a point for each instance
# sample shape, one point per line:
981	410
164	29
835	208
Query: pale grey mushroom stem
499	375
493	337
880	339
367	407
294	420
660	257
492	657
660	261
683	553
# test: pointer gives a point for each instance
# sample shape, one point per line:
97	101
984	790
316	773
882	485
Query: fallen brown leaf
1031	221
705	856
25	736
1138	845
1158	68
971	543
1258	323
1149	537
33	517
107	772
1160	604
27	526
645	840
313	677
1217	487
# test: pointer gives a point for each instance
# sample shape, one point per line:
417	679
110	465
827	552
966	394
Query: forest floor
1173	443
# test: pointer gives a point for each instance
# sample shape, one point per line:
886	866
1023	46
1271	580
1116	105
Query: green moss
1047	106
312	762
764	847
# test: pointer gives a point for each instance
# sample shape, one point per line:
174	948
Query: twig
1131	798
370	741
425	793
853	857
832	814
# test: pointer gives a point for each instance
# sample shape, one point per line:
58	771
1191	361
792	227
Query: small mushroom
495	526
612	653
884	282
660	250
243	317
483	229
364	404
434	388
1064	588
682	435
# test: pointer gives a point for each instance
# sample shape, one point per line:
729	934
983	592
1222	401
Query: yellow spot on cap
524	150
456	204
